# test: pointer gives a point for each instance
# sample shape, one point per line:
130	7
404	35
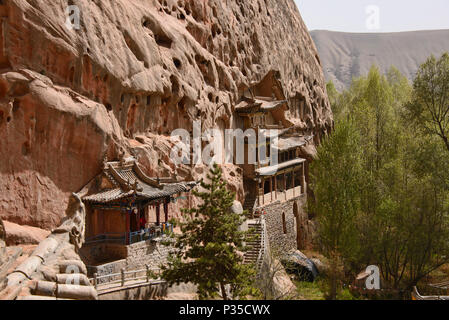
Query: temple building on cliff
277	191
125	207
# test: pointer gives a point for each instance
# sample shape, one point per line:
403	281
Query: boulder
297	264
321	266
237	207
283	287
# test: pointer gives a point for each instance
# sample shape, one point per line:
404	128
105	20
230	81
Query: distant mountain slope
347	55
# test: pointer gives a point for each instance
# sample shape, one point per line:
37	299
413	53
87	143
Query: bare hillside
347	55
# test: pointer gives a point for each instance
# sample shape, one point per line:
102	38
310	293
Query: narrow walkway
114	287
126	280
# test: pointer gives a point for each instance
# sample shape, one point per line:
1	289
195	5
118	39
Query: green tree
429	107
403	204
335	180
209	246
333	95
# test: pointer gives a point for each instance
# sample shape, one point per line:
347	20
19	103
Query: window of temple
291	154
267	187
284	223
298	179
289	181
282	157
280	183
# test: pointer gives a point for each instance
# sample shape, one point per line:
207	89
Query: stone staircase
250	204
255	240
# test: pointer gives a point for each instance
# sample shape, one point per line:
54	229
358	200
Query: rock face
18	235
133	72
298	264
54	270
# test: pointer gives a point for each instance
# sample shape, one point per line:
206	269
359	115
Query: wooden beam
303	179
276	187
293	180
166	209
128	227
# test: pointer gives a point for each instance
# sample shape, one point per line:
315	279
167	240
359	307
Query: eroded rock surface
132	73
54	269
23	235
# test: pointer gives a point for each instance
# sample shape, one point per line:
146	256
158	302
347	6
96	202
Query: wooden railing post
148	272
123	277
96	280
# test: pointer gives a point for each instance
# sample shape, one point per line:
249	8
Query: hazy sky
375	15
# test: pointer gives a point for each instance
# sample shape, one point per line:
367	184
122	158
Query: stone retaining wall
284	236
106	269
152	253
95	253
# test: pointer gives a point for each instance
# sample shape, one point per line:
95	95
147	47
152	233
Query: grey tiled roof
107	195
124	179
272	170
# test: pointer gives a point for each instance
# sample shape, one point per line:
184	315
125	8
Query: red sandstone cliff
132	73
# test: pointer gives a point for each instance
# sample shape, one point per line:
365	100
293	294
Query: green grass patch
309	290
314	291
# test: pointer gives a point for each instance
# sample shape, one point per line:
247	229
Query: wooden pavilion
119	199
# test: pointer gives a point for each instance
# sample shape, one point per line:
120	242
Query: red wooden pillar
158	214
103	222
128	226
166	209
138	219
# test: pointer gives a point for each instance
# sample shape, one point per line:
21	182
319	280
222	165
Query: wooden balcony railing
131	237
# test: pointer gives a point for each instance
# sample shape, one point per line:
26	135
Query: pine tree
209	246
